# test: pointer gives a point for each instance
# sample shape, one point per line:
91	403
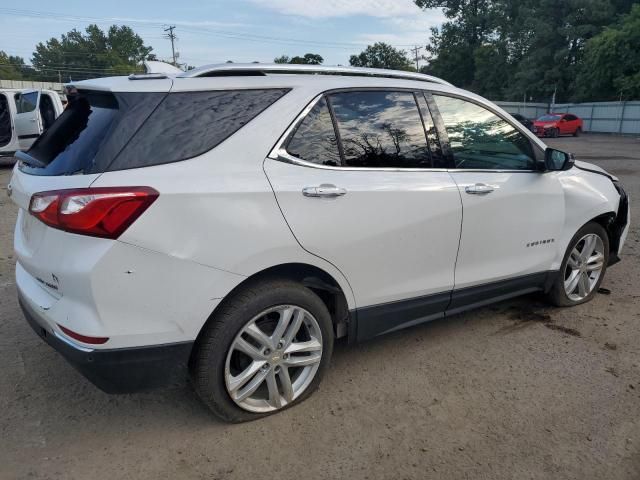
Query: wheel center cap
276	357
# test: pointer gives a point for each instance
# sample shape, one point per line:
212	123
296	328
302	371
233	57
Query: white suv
232	221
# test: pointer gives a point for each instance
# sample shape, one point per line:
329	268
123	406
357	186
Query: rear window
100	132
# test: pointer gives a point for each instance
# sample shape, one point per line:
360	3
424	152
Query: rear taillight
98	212
83	338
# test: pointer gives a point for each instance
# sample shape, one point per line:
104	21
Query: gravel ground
516	390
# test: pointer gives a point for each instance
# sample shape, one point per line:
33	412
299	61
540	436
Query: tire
555	133
558	294
578	132
218	361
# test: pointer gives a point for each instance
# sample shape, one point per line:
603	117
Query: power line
173	37
205	31
415	50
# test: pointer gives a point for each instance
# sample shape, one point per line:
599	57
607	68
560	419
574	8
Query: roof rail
255	69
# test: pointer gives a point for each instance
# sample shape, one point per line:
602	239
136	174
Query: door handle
33	120
323	191
479	189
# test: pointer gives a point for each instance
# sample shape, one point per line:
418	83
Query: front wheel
264	350
583	267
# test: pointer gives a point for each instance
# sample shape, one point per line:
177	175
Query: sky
220	30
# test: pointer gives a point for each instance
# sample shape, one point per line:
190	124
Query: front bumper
542	132
118	370
619	228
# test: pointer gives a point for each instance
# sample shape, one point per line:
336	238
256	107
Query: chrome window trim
488	170
273	154
283	156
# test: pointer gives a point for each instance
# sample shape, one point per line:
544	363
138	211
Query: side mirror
557	160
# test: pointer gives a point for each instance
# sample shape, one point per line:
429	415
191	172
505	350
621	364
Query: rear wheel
583	267
263	351
577	132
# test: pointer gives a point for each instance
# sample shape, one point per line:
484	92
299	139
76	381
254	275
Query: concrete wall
31	84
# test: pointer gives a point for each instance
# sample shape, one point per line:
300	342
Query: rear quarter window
188	124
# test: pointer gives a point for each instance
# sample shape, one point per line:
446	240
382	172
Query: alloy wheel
273	359
584	267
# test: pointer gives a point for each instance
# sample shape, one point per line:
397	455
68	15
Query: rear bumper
119	370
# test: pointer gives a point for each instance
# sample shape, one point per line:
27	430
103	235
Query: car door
27	120
513	213
572	123
360	187
6	127
564	125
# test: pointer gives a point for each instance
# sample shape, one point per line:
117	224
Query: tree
307	59
506	48
382	55
611	67
13	67
452	51
78	55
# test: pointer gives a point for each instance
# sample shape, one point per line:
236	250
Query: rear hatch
80	145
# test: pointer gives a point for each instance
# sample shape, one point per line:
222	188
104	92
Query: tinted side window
26	102
187	124
380	129
569	118
480	139
314	140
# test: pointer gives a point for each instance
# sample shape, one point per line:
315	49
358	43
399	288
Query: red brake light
84	338
99	212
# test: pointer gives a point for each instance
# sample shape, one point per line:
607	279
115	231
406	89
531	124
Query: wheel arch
608	221
316	279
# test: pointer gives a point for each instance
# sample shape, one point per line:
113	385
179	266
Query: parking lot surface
515	390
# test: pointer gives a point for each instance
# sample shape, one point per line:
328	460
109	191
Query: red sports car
556	124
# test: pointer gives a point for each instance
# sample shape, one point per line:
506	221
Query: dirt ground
518	390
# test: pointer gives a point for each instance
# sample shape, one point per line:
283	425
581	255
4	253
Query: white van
24	115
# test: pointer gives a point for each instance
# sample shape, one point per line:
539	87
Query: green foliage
611	66
77	55
307	59
14	68
382	55
282	59
508	48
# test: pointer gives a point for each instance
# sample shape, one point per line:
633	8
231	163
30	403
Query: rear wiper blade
29	160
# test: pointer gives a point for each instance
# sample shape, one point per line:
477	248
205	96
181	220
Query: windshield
549	118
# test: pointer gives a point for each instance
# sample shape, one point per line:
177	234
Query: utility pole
415	51
172	37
